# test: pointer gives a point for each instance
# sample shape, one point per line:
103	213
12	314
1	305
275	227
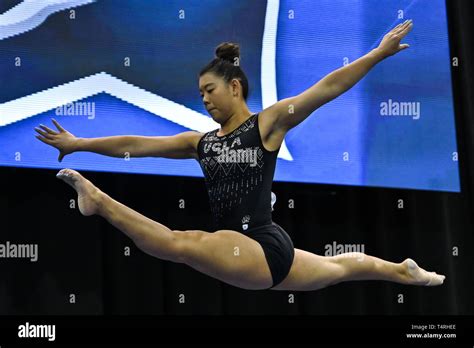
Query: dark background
85	256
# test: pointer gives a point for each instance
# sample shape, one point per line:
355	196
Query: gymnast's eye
202	95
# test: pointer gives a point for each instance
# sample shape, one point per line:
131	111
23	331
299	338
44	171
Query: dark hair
227	65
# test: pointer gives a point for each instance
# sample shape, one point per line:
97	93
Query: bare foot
418	276
88	195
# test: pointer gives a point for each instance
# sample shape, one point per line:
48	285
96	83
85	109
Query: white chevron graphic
29	14
49	99
268	64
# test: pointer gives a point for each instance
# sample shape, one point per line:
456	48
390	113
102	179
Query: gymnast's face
217	96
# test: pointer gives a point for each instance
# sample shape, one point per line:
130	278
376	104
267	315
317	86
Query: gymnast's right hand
64	141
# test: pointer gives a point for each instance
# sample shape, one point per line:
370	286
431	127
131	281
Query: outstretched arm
290	112
179	146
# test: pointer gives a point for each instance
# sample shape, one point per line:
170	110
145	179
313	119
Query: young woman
238	161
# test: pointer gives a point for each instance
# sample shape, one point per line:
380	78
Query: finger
58	126
398	27
43	133
44	140
404	27
60	157
49	130
404	46
395	28
408	28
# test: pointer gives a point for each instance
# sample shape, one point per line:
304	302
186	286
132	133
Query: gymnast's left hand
61	139
391	41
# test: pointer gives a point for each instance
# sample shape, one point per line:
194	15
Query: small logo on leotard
245	221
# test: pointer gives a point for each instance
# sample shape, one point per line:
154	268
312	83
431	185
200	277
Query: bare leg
359	266
213	254
311	272
145	232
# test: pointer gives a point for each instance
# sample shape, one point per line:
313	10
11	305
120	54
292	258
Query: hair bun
228	51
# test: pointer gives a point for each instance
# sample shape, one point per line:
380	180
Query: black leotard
238	171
